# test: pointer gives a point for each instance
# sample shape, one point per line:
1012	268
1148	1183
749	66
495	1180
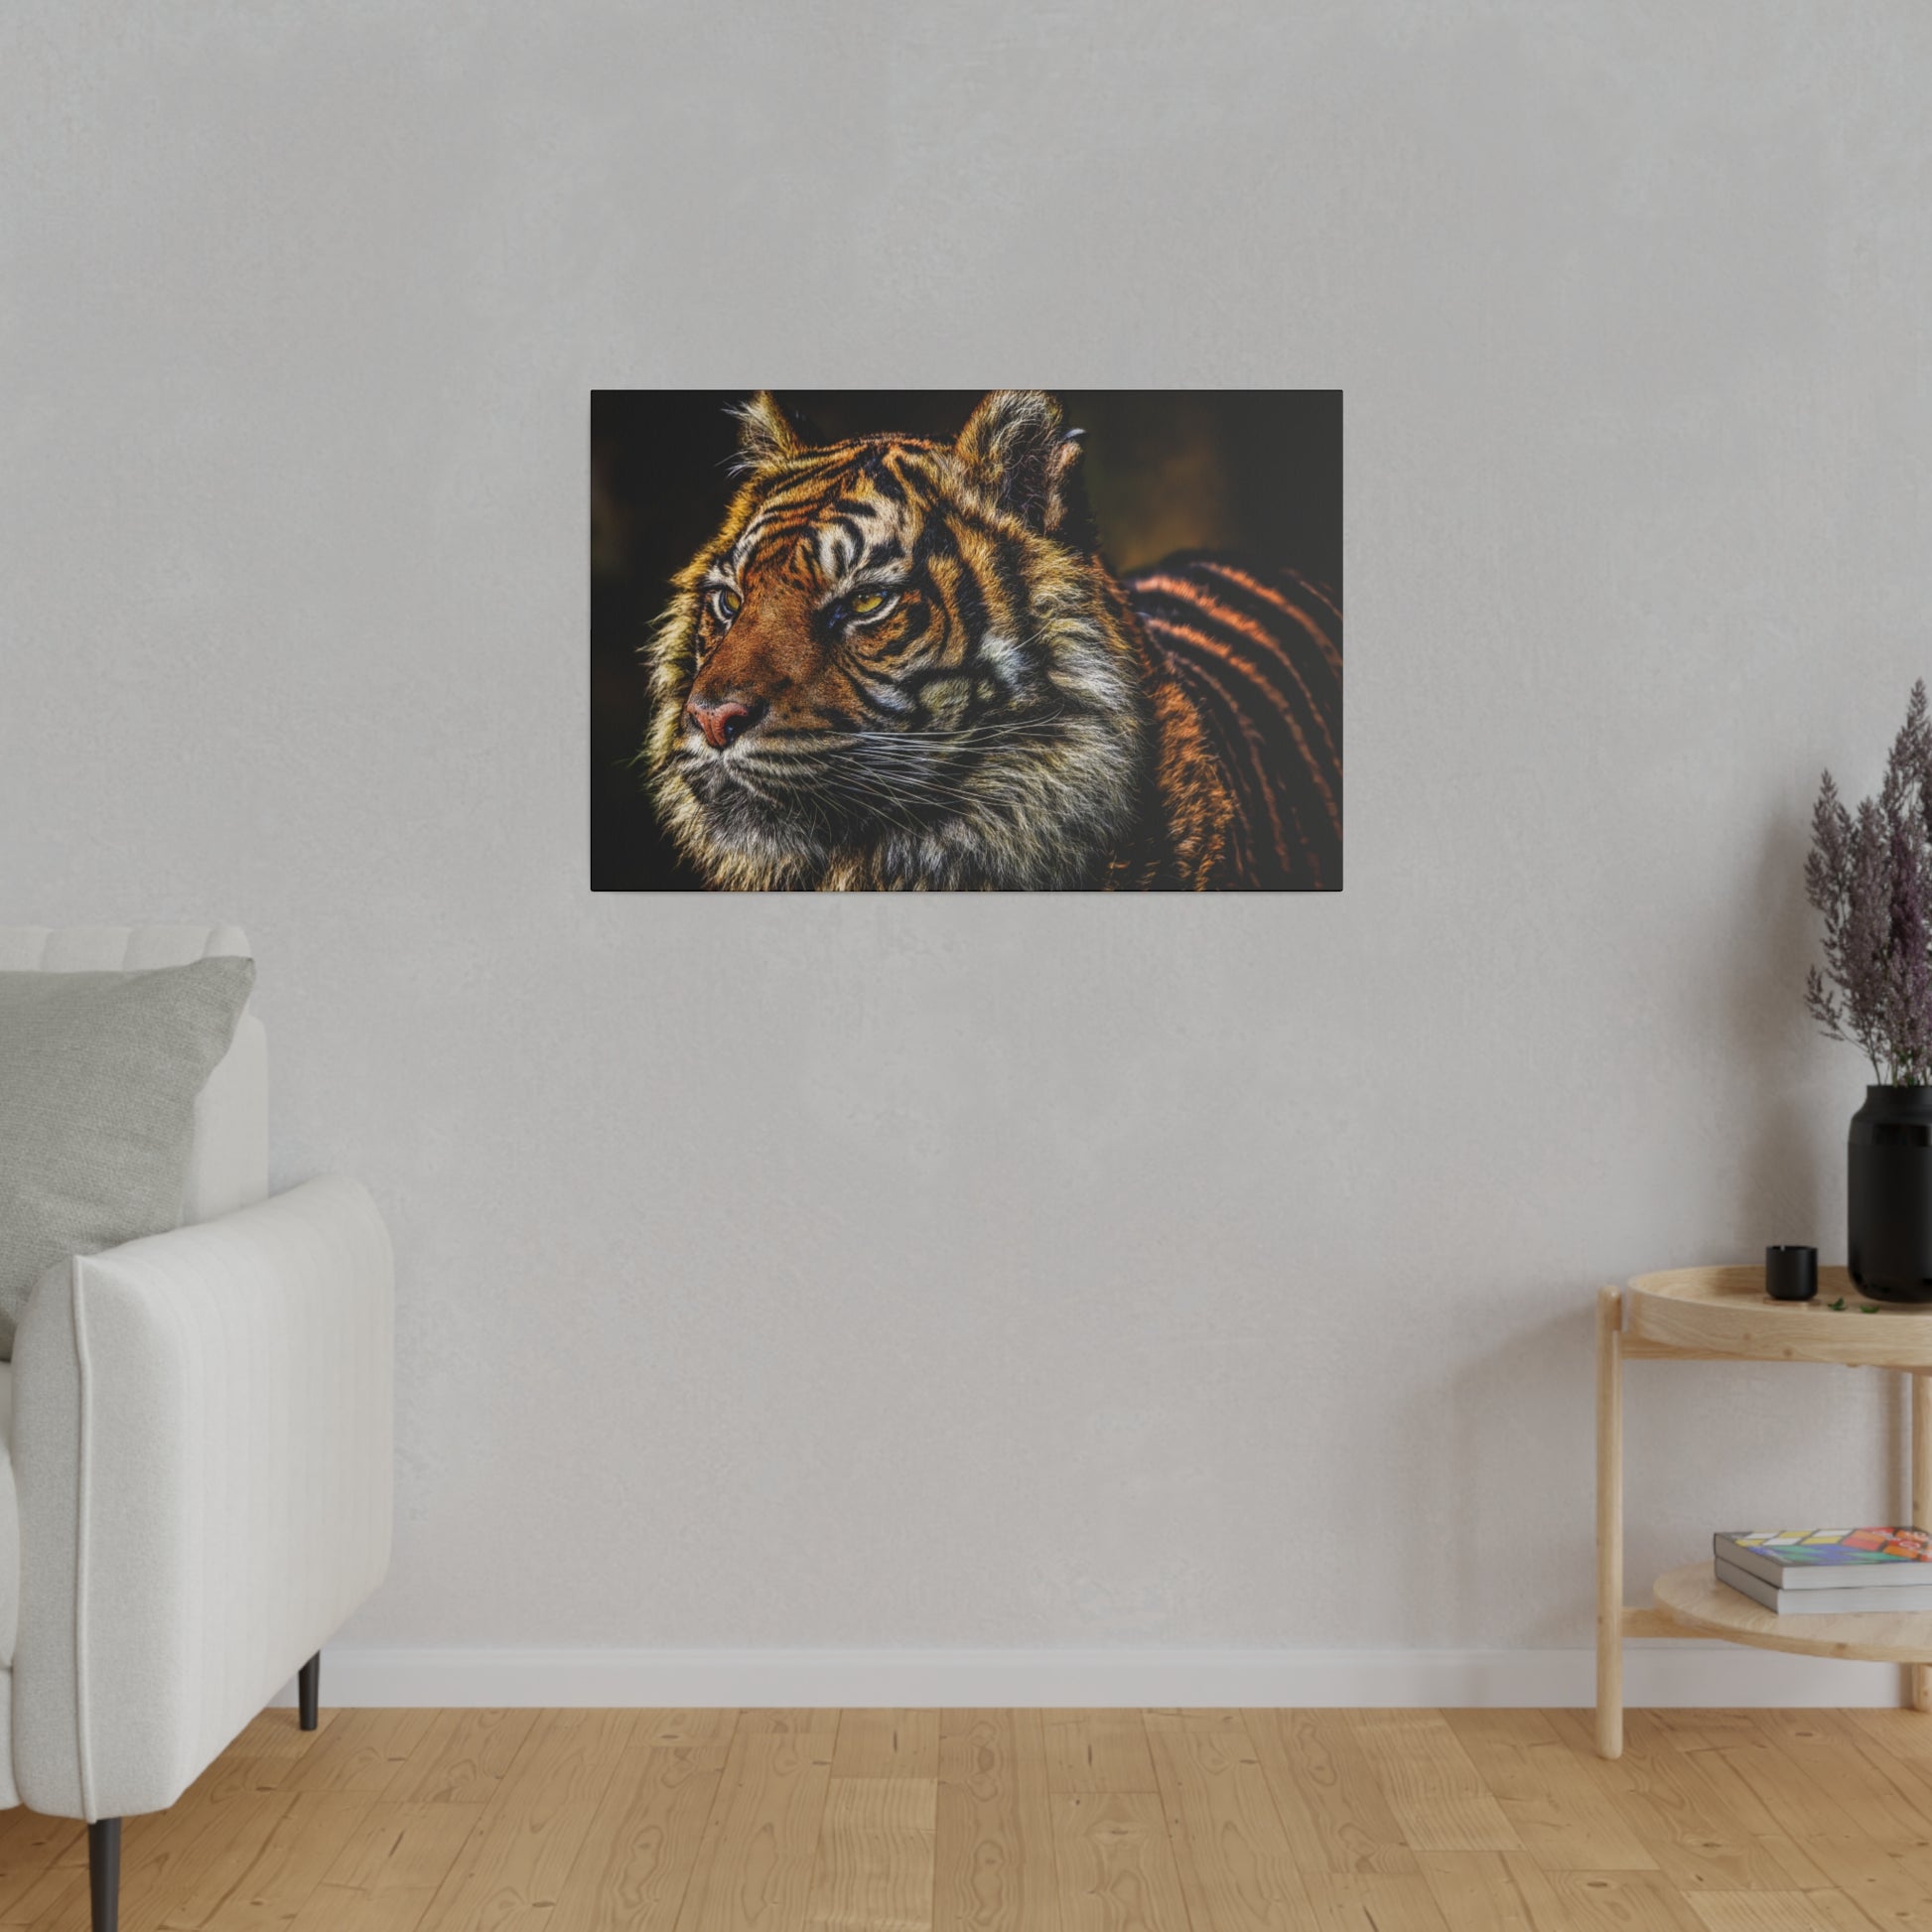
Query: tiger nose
722	723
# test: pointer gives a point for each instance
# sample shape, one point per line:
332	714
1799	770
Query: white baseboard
1655	1674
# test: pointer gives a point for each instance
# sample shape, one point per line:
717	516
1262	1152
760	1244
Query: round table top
1726	1311
1694	1597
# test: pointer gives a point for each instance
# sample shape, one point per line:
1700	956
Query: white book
1898	1599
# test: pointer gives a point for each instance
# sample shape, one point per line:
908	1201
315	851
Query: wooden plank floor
1022	1821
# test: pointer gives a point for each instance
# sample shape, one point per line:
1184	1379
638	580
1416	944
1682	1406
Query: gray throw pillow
98	1075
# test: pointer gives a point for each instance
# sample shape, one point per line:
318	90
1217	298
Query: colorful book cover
1822	1549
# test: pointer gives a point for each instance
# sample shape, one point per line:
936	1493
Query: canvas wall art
1018	640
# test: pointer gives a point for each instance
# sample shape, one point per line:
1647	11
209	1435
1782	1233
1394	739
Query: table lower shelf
1694	1601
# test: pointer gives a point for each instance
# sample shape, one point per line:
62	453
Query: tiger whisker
886	803
958	733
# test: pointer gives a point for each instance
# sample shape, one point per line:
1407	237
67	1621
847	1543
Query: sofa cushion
228	1167
99	1076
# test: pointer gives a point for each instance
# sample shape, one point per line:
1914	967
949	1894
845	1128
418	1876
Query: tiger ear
1068	514
765	432
1014	448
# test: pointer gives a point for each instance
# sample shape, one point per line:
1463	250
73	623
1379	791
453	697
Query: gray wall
1032	1272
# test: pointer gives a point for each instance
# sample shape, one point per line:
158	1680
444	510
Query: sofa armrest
202	1450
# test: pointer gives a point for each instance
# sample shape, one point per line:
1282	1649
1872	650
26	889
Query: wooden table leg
1609	1522
1921	1674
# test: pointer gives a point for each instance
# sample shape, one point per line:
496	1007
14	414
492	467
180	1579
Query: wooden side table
1705	1315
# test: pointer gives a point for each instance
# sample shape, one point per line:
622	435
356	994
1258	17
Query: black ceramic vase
1890	1194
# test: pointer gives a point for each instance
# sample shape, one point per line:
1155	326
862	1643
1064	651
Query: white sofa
198	1453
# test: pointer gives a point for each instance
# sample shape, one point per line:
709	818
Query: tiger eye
727	605
865	603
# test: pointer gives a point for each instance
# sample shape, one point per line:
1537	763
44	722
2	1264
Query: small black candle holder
1791	1274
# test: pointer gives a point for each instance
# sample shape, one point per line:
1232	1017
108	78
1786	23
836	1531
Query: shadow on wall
1766	1030
1511	1411
1522	1412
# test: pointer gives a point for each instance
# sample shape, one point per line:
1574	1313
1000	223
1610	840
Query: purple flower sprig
1870	874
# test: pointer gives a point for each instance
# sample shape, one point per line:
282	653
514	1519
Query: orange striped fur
905	665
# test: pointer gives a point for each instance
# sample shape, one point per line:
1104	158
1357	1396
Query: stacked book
1828	1573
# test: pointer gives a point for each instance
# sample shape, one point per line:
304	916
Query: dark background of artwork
1258	472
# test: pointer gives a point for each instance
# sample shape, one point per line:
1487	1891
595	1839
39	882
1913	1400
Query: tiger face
900	663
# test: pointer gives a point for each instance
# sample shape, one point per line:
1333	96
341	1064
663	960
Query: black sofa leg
307	1685
104	1838
104	1872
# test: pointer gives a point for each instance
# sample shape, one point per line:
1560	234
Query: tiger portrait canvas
1019	640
